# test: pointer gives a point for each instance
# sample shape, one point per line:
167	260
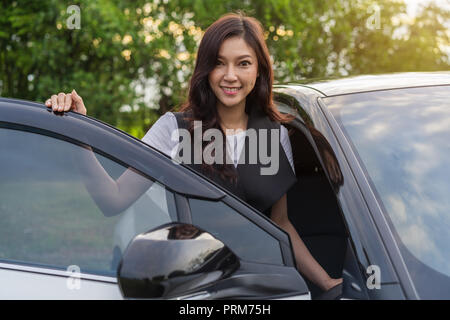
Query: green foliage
126	49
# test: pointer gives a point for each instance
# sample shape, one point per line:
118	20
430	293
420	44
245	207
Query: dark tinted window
49	218
403	140
243	237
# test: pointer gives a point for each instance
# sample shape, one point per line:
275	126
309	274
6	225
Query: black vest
260	191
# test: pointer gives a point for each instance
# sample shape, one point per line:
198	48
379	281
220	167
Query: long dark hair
201	102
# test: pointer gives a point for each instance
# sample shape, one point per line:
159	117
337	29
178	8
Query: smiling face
235	73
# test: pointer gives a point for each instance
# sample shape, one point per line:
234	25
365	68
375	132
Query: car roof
364	83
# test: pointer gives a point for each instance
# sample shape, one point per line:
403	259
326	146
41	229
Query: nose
230	74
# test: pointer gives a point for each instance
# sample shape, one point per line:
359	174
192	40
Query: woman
231	89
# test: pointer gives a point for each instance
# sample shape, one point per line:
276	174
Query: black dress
259	190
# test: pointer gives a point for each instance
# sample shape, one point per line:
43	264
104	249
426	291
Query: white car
371	155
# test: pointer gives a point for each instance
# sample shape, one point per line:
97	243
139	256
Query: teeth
231	89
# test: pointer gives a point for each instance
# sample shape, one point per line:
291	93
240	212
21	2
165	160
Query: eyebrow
238	58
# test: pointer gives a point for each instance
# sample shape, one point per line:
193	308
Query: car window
49	218
248	241
402	140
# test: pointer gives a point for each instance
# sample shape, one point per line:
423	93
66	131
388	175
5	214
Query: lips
231	90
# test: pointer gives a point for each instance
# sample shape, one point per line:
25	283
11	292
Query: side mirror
173	260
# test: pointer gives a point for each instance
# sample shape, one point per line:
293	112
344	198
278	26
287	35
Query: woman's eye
245	63
218	62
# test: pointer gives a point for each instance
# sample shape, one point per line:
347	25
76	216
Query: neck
232	118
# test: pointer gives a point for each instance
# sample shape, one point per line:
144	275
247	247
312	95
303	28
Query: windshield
402	138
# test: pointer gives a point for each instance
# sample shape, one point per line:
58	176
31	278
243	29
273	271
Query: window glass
243	237
402	139
48	216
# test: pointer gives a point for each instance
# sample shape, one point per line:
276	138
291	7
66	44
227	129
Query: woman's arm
306	263
111	196
114	196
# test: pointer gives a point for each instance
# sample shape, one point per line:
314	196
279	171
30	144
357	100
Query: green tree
132	60
40	55
419	46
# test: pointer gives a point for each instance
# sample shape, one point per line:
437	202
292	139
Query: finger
75	97
67	102
61	97
78	102
54	102
48	103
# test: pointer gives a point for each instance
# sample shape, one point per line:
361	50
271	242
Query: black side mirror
173	260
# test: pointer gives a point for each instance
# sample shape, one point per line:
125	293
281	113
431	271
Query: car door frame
370	238
403	284
129	151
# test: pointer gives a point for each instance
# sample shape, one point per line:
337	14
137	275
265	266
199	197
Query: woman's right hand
66	102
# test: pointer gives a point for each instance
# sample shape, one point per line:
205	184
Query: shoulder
161	130
166	118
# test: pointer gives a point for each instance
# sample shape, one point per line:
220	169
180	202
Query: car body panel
27	283
364	83
370	234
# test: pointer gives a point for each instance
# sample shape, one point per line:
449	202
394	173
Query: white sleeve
286	144
160	134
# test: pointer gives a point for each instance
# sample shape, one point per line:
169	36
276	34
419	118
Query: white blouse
160	137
